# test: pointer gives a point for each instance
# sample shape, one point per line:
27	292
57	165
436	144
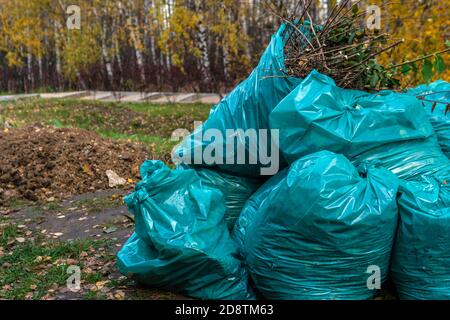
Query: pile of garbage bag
420	266
236	190
320	228
181	240
392	130
387	127
360	195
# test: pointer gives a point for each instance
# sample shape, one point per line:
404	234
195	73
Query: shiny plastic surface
319	230
438	91
181	240
389	127
246	107
421	263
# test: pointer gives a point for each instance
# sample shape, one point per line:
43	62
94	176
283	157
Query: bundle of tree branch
342	47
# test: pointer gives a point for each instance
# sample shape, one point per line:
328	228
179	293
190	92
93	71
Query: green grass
151	124
160	145
17	204
196	110
85	113
53	206
94	295
99	204
23	273
8	232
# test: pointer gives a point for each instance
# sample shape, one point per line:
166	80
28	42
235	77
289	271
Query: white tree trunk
118	57
80	80
104	46
139	55
105	53
245	8
30	76
135	39
203	46
58	55
149	37
40	69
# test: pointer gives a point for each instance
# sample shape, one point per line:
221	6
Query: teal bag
394	130
438	114
181	240
246	107
421	260
236	190
320	229
251	209
388	127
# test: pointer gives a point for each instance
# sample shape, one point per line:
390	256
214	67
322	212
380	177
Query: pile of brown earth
44	163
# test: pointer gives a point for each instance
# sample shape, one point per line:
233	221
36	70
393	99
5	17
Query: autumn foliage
192	45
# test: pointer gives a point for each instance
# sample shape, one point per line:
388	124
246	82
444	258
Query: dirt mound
41	163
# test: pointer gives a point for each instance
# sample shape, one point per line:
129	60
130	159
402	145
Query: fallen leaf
7	287
115	196
119	295
110	229
101	284
87	169
20	240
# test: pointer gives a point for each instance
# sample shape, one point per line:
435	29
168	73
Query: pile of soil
45	163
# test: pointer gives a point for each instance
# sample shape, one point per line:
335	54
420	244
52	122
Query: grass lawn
33	260
32	268
151	124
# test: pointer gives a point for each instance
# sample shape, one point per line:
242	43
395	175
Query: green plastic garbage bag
389	127
251	208
438	113
236	190
181	240
228	138
421	259
321	230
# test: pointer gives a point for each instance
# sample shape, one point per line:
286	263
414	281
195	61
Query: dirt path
88	216
99	217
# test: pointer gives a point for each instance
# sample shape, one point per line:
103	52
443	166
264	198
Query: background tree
176	45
